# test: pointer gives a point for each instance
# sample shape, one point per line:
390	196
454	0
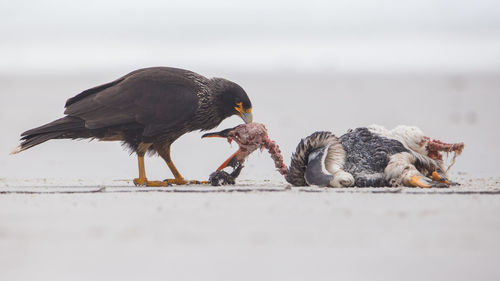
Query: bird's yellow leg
141	180
179	179
164	151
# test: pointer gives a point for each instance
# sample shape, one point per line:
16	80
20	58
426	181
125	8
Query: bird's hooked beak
247	117
220	134
231	161
245	114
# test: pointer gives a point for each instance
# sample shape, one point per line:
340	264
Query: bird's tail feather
32	140
52	130
298	164
67	123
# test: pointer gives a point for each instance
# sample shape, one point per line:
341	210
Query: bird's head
233	100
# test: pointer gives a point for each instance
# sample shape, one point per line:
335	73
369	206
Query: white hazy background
313	65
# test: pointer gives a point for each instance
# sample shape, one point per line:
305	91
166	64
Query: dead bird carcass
367	156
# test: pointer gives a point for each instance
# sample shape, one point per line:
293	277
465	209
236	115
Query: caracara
147	110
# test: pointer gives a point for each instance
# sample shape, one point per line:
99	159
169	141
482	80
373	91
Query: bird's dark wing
158	98
368	152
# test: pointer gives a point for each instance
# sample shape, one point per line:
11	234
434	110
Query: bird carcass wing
158	103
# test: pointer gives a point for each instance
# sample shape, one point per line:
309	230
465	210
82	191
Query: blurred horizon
343	36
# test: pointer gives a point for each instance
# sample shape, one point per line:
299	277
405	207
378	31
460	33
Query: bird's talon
198	182
184	182
180	181
146	183
158	184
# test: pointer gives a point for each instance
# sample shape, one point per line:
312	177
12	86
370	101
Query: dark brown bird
147	110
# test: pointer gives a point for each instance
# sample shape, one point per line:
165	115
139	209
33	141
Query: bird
372	156
147	110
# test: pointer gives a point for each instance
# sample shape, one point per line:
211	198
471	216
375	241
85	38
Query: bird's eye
239	107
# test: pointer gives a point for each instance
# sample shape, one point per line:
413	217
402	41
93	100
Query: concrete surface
55	230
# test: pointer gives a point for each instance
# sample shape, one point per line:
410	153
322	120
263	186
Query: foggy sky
339	35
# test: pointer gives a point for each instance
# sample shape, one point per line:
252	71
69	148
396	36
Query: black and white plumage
371	156
333	154
147	110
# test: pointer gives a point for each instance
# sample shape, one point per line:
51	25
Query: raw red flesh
253	136
434	147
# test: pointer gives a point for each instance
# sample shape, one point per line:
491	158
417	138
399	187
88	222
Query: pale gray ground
253	231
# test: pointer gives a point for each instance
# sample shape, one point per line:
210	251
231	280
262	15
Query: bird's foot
442	180
167	182
145	182
435	176
182	181
419	181
140	181
425	182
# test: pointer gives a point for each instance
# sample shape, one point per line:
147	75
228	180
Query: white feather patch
410	136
